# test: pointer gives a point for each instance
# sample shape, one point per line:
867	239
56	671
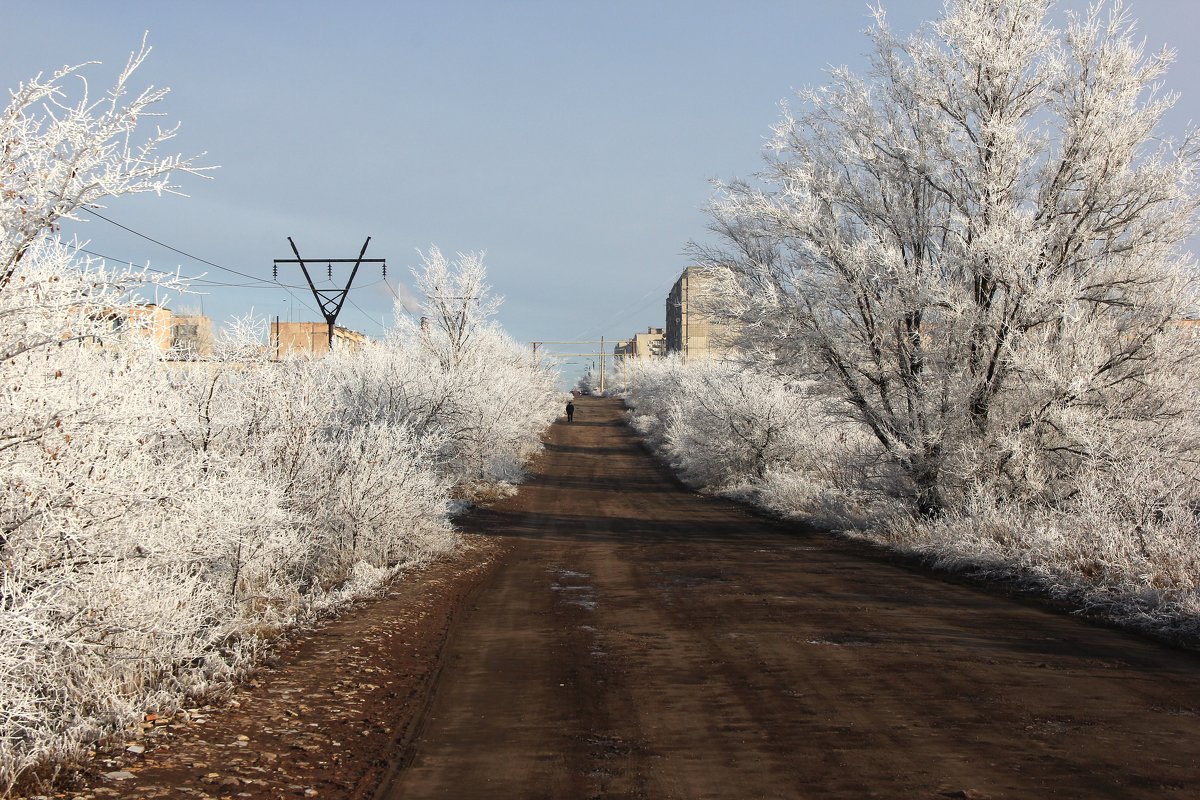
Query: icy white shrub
728	428
488	399
83	607
588	382
1121	535
159	517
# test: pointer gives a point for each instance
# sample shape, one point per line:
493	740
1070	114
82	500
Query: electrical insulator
329	271
385	270
274	272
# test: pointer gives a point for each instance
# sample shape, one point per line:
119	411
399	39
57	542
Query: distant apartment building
623	348
143	323
692	331
310	338
650	344
182	336
191	336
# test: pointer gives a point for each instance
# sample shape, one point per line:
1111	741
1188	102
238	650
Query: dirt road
640	641
607	634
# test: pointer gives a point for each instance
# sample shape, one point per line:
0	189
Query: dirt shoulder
319	719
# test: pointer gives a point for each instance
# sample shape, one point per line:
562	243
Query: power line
368	316
172	249
259	284
262	285
627	311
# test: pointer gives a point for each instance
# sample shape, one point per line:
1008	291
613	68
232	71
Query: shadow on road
586	528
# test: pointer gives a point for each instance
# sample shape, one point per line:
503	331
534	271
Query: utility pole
330	301
602	355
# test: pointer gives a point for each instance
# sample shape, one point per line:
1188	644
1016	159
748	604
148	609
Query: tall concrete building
692	332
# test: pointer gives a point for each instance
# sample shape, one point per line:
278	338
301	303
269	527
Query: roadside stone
119	775
136	749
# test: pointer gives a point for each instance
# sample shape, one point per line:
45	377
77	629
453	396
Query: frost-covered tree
456	303
60	154
63	151
484	395
978	247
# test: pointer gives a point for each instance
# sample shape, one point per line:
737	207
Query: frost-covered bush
727	428
589	383
160	518
489	400
83	607
1121	535
1090	549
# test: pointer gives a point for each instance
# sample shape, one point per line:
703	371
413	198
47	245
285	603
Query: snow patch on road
574	592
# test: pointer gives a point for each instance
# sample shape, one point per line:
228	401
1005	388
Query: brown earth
320	718
614	635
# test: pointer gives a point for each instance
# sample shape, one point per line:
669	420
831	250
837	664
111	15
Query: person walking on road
570	411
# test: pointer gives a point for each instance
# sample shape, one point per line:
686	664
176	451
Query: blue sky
573	141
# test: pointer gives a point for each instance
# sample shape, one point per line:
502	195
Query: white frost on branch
978	248
159	518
